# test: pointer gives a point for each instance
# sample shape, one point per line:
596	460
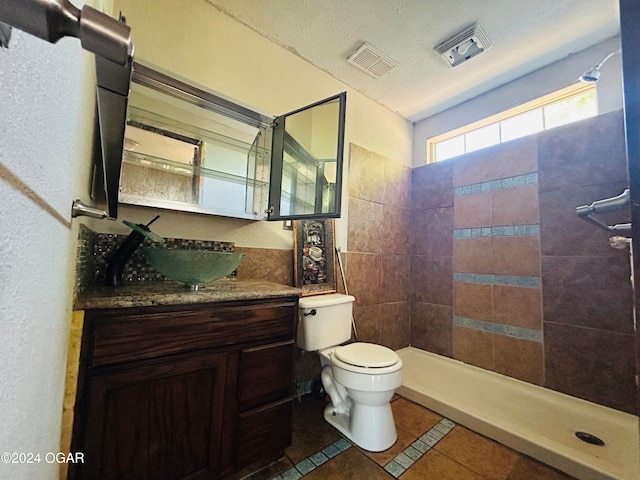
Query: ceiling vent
467	44
372	61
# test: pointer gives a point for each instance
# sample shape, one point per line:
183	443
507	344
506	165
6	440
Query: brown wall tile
366	174
432	185
472	255
591	292
473	167
516	157
432	232
432	327
564	233
367	318
519	359
272	265
397	190
516	255
395	324
589	152
518	306
307	365
432	280
472	300
592	364
395	236
365	226
364	277
515	206
396	278
473	347
505	160
472	210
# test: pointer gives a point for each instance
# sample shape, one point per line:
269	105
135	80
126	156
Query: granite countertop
144	294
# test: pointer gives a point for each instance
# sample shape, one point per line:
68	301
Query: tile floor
428	447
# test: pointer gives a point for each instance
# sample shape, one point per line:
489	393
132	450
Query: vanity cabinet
199	391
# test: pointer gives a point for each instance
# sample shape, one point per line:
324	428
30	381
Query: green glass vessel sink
192	267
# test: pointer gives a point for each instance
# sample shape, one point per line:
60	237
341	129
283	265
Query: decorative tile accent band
417	449
504	280
396	467
95	249
509	182
499	329
505	231
313	461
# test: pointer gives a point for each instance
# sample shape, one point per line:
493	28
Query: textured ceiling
526	35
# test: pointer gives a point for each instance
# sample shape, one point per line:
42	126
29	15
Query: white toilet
359	377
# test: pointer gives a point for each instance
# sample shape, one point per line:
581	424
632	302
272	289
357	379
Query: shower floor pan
533	420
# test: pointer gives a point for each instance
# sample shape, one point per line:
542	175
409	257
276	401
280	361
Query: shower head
590	76
593	74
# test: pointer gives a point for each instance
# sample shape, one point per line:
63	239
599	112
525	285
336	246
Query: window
559	108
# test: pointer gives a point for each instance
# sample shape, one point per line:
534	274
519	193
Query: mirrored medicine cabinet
187	149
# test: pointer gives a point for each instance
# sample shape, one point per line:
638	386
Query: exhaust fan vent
465	45
372	61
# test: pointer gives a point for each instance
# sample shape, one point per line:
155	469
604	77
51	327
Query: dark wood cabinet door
265	374
264	432
159	421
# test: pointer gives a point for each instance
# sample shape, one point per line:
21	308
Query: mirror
307	156
187	149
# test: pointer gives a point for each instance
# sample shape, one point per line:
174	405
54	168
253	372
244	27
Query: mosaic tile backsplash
95	250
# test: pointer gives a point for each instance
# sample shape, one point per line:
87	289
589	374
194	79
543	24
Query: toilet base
370	427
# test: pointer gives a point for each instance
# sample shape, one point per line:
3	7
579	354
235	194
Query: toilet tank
330	324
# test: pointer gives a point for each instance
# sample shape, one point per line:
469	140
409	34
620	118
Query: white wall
46	106
529	87
194	40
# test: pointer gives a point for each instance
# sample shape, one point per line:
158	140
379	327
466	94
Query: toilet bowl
361	393
360	378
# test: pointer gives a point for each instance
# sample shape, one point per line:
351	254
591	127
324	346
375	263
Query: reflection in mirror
181	156
311	140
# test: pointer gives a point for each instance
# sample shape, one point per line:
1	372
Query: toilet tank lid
326	300
366	355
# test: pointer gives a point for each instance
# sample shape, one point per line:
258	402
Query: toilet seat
366	358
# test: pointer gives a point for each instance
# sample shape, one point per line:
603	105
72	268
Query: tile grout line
404	460
310	463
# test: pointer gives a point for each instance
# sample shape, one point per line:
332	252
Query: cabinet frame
270	324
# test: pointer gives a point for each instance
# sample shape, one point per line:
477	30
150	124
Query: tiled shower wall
588	317
378	262
506	277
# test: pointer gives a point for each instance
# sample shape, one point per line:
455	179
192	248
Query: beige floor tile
435	465
382	458
413	418
272	470
485	457
529	469
311	432
350	464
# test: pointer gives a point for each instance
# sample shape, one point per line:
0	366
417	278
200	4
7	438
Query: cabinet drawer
266	374
120	335
264	432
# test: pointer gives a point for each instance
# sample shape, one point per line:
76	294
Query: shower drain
590	439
